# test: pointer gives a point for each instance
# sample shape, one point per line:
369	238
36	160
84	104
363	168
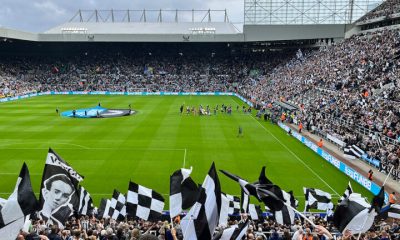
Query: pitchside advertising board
356	176
7	99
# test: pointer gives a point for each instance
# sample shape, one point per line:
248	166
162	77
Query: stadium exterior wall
254	33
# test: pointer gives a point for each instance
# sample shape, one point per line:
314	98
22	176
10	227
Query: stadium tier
278	131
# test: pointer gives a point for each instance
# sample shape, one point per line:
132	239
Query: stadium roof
204	28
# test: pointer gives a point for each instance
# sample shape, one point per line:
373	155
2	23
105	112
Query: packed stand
355	81
385	9
123	73
92	228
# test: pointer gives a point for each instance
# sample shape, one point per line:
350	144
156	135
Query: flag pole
390	172
365	221
301	214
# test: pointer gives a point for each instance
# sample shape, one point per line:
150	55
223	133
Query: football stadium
180	124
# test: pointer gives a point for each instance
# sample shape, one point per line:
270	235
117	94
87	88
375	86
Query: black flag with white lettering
59	195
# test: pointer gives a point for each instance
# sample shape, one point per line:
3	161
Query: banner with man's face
59	190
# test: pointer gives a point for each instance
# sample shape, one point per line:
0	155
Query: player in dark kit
181	109
240	132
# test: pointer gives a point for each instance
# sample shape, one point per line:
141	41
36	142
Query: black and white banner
59	197
353	152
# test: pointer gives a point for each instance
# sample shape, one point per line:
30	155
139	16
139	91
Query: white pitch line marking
295	155
184	158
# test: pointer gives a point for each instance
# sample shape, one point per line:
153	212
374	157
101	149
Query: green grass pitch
148	146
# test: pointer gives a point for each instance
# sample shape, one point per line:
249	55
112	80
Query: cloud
41	15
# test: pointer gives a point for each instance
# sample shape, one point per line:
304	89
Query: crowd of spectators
92	228
129	73
385	9
350	85
349	90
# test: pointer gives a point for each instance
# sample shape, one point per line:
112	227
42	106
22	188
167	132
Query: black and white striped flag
183	191
390	211
255	212
117	209
245	200
235	232
317	199
104	208
22	202
347	192
85	202
144	203
285	215
202	219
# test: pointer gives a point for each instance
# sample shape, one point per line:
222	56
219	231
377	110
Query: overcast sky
41	15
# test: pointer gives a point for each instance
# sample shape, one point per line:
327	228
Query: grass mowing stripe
297	157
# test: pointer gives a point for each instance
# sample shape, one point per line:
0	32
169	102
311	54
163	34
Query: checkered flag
117	206
229	205
234	204
144	203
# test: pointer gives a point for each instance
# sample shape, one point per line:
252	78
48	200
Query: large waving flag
59	195
280	202
202	219
144	203
21	203
183	191
356	214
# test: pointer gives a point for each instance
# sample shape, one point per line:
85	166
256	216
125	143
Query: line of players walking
201	110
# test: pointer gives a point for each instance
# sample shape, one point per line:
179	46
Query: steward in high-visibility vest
320	143
392	198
